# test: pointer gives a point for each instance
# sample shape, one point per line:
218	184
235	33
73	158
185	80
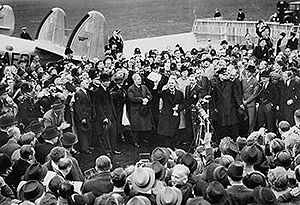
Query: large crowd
245	98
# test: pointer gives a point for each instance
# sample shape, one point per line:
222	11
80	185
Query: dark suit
261	53
104	108
289	92
192	96
250	87
205	86
83	110
268	99
292	44
240	195
42	150
99	185
168	123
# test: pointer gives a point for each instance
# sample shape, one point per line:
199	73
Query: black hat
50	132
118	177
189	161
68	139
173	67
31	191
265	74
5	162
216	193
70	87
200	188
194	51
254	179
251	154
26	88
251	69
158	169
137	51
235	170
105	77
264	196
68	51
35	171
223	42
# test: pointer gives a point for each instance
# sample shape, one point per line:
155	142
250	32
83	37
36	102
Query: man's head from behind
103	163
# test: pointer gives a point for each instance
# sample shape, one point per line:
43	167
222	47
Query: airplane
51	40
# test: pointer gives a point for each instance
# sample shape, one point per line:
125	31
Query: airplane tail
7	20
53	28
89	36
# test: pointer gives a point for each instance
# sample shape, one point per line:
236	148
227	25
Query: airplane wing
50	47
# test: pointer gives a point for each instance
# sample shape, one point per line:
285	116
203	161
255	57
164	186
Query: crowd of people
248	95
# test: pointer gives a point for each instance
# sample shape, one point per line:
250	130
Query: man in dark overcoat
169	118
105	118
140	112
83	113
225	103
290	97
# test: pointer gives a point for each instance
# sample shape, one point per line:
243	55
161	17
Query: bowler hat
189	161
160	154
251	154
216	194
194	51
235	170
277	145
68	139
143	179
254	179
169	196
50	132
5	162
137	51
35	171
58	107
31	191
139	200
264	196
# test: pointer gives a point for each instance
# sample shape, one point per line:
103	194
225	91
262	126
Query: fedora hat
68	139
189	161
139	200
7	120
83	199
160	154
235	170
251	154
159	170
216	194
264	196
169	196
31	191
35	171
143	179
50	132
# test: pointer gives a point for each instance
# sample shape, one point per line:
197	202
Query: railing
234	31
